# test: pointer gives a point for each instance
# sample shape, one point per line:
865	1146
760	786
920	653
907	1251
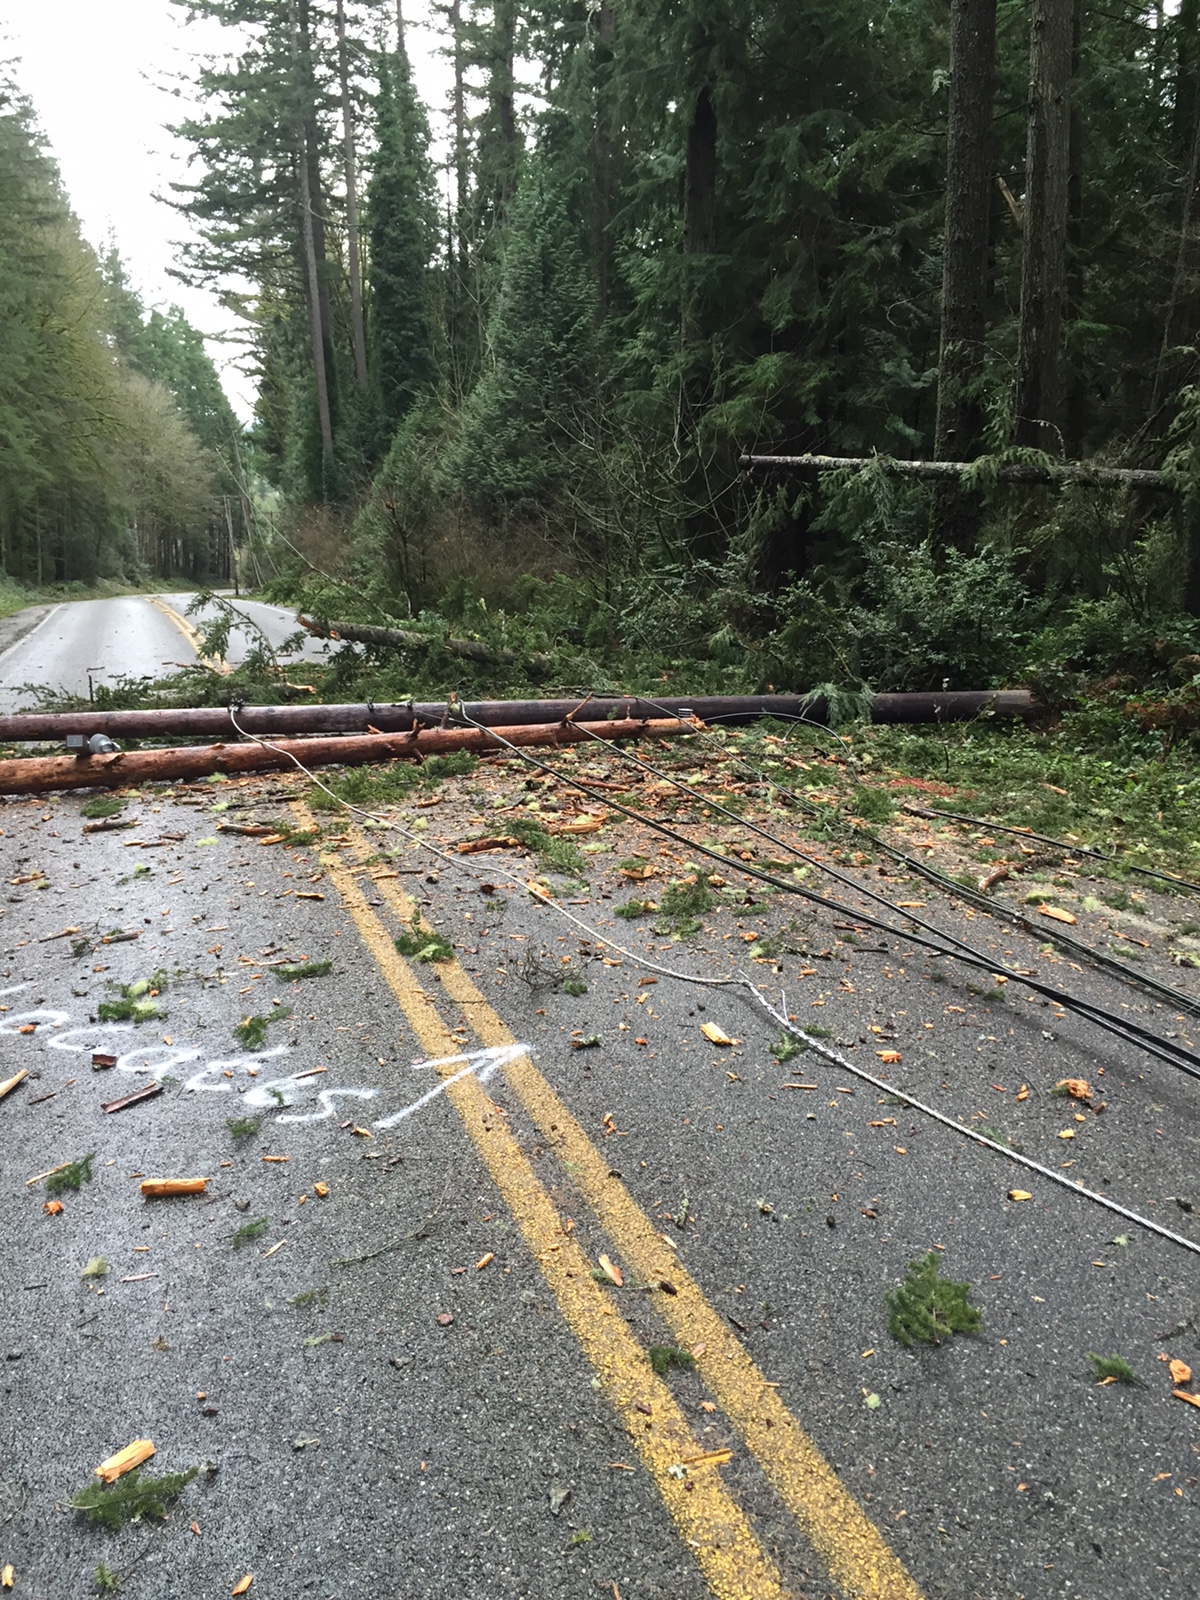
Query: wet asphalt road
352	1439
64	647
360	1446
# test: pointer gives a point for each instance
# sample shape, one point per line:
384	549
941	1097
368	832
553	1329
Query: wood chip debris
165	1188
716	1035
10	1084
125	1460
148	1093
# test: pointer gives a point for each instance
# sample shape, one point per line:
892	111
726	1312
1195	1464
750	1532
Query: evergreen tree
523	423
401	226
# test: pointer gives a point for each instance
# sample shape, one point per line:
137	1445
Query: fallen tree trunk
215	722
38	774
942	471
409	639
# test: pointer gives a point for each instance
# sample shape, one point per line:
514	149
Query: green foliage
787	1049
665	1356
554	853
243	1127
574	986
929	1307
72	1175
401	227
872	804
131	1006
682	905
105	1579
131	1497
249	1231
634	908
103	805
298	971
1112	1367
423	944
251	1032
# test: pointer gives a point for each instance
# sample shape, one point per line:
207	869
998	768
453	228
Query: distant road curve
133	636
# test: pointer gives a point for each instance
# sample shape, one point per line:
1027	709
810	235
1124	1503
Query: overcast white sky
94	70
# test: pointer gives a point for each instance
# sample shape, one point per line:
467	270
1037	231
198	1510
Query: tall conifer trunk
604	22
965	255
1038	403
699	206
354	260
308	233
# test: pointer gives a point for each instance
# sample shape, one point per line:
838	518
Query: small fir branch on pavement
681	907
786	1049
665	1356
249	1231
929	1307
1112	1367
102	805
136	1002
72	1175
423	944
252	1031
131	1497
293	973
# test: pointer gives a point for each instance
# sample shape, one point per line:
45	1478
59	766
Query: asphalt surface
66	648
359	1445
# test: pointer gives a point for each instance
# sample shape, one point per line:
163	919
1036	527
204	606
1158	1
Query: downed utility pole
38	774
215	722
1081	472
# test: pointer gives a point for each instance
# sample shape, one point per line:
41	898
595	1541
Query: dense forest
115	433
510	350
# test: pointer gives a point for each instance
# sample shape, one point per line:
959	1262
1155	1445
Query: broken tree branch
409	639
1081	472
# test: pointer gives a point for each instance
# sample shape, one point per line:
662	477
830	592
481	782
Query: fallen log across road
215	722
38	774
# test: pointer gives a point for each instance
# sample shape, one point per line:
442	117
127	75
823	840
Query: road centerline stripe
847	1541
190	633
713	1525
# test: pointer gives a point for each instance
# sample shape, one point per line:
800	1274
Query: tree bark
316	326
353	255
215	722
1038	401
1187	76
406	639
39	774
969	180
604	22
699	208
966	263
1012	472
1177	322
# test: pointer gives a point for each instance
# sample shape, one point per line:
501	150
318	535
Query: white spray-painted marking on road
223	1071
483	1063
216	1076
94	1037
326	1098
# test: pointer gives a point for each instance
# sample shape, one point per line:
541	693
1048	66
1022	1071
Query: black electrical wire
1066	942
1148	1040
1059	844
943	944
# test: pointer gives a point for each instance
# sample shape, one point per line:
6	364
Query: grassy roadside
1095	778
16	597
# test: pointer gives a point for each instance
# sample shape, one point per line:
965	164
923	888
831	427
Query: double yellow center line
716	1529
